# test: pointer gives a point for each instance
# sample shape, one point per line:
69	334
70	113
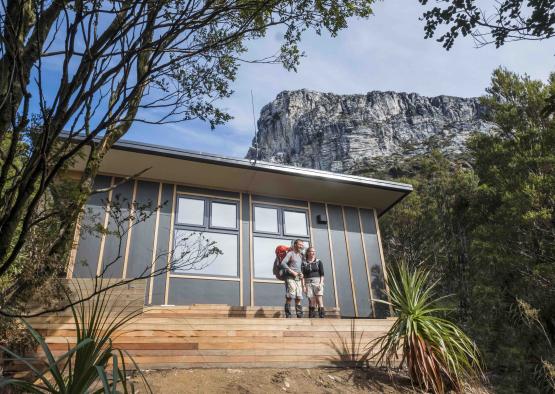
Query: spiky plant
437	354
93	364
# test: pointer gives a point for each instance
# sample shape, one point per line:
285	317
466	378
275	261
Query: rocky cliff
352	133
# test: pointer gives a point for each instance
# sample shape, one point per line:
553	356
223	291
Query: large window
189	245
201	224
274	226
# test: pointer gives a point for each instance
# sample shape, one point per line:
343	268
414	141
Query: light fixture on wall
322	218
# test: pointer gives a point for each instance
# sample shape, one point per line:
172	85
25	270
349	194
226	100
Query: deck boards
157	341
222	336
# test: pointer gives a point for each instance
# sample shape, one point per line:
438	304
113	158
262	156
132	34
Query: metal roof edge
182	154
140	147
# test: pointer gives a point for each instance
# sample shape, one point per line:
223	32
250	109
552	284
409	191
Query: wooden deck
215	336
157	341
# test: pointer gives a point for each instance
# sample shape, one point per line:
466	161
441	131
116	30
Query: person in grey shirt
294	281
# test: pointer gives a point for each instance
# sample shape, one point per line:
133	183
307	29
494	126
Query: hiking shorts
313	287
293	288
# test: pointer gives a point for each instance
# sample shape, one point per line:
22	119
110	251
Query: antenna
255	133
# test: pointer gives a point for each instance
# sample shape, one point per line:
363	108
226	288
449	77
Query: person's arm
321	269
285	266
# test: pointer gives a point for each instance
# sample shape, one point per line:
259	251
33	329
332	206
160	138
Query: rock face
348	133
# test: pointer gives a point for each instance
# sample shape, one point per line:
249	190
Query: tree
513	247
110	64
504	21
486	230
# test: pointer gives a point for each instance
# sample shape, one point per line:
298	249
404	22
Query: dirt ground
268	381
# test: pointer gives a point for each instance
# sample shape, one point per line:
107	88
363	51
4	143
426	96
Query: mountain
355	133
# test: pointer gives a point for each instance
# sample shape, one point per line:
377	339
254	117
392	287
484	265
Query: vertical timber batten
332	258
170	246
241	249
155	244
310	225
251	244
130	229
349	260
105	226
73	252
366	263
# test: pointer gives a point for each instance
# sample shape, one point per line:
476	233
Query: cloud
385	52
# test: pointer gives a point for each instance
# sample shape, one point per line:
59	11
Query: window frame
206	229
307	223
188	197
210	201
278	218
279	235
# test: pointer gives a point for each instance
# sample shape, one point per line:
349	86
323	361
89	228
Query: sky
385	52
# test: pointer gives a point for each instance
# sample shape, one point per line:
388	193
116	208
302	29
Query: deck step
158	341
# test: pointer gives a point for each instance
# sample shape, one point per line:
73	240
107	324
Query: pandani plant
93	364
437	353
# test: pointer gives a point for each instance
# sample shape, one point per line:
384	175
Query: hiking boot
287	310
311	311
299	310
321	312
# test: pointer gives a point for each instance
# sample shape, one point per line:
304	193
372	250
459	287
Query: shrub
436	352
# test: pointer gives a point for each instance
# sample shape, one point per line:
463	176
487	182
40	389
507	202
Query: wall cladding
164	228
358	262
86	259
184	291
353	257
322	246
341	261
374	261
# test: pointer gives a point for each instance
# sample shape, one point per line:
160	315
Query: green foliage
501	22
484	224
437	353
85	367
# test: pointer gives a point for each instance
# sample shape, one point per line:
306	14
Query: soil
270	380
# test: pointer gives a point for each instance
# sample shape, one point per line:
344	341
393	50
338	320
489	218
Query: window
223	215
200	222
294	223
190	211
264	255
266	220
275	226
193	243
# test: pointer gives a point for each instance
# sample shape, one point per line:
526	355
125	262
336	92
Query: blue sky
386	52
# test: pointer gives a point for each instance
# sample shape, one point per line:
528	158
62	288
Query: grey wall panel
185	291
211	192
322	245
89	243
374	261
245	250
358	263
343	277
114	246
269	294
276	200
159	286
142	234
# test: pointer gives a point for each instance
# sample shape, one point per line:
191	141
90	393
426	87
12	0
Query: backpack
281	252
